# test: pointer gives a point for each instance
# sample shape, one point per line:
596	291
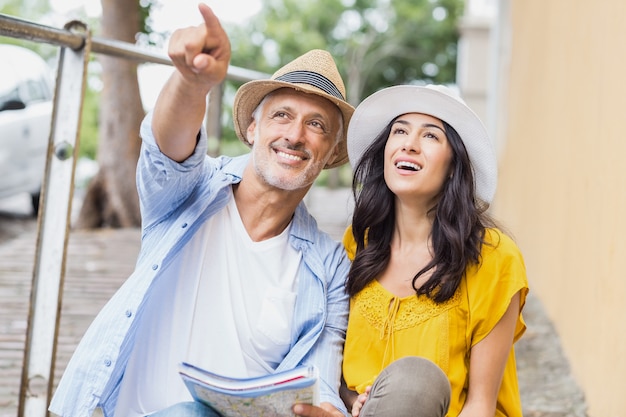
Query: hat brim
377	110
251	93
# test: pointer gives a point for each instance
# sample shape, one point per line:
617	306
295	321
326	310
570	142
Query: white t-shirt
231	313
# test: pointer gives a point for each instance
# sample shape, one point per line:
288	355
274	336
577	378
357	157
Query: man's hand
324	410
201	53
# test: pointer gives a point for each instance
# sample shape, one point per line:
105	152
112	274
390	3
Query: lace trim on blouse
389	313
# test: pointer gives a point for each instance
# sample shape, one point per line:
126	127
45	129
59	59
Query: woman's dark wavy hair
458	229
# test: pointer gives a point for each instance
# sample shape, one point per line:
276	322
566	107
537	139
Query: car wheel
34	201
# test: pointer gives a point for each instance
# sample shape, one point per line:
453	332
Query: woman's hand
360	402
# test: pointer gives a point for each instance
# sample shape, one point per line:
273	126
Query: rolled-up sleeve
162	183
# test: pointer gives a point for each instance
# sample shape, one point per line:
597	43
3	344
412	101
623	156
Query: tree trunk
111	199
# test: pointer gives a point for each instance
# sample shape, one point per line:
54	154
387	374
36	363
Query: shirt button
128	313
184	225
107	362
155	267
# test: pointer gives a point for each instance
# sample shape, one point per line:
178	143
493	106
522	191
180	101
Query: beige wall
562	188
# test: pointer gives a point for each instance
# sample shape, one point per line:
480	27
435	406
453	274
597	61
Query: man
233	275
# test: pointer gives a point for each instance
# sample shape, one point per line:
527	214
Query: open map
268	396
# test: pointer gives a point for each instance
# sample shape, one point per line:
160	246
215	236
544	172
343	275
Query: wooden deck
97	263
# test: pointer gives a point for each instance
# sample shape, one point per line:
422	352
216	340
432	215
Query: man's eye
278	115
317	125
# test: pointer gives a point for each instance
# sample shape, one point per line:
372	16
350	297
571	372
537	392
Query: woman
436	289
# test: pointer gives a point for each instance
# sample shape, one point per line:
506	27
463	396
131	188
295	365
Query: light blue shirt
176	198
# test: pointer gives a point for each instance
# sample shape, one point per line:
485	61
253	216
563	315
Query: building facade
555	100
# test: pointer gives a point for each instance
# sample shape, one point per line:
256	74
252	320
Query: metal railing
76	44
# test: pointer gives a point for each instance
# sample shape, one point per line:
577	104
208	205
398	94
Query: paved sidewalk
98	262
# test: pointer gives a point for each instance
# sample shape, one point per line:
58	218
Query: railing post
213	121
53	229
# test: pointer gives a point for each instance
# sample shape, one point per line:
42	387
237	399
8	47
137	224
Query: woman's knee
411	386
424	374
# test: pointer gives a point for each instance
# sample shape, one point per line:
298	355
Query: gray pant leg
409	387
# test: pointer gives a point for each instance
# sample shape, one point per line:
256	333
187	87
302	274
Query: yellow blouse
383	327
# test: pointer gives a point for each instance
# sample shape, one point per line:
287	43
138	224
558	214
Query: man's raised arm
201	55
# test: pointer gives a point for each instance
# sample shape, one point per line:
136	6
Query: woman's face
417	157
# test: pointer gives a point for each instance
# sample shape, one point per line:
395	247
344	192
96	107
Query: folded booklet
269	396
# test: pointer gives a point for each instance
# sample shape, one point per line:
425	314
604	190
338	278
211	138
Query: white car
26	93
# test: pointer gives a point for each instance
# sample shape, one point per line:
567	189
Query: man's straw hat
315	73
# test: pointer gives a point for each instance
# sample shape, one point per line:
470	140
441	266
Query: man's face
293	138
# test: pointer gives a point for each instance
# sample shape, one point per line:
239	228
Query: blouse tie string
387	331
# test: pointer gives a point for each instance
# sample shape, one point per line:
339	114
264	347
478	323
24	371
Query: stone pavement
98	262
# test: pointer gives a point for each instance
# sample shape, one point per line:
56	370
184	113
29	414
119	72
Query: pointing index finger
216	40
210	20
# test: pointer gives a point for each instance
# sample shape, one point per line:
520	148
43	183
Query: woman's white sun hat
380	108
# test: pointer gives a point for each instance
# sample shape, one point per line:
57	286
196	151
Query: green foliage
89	126
419	44
344	177
376	43
24	9
147	34
31	11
